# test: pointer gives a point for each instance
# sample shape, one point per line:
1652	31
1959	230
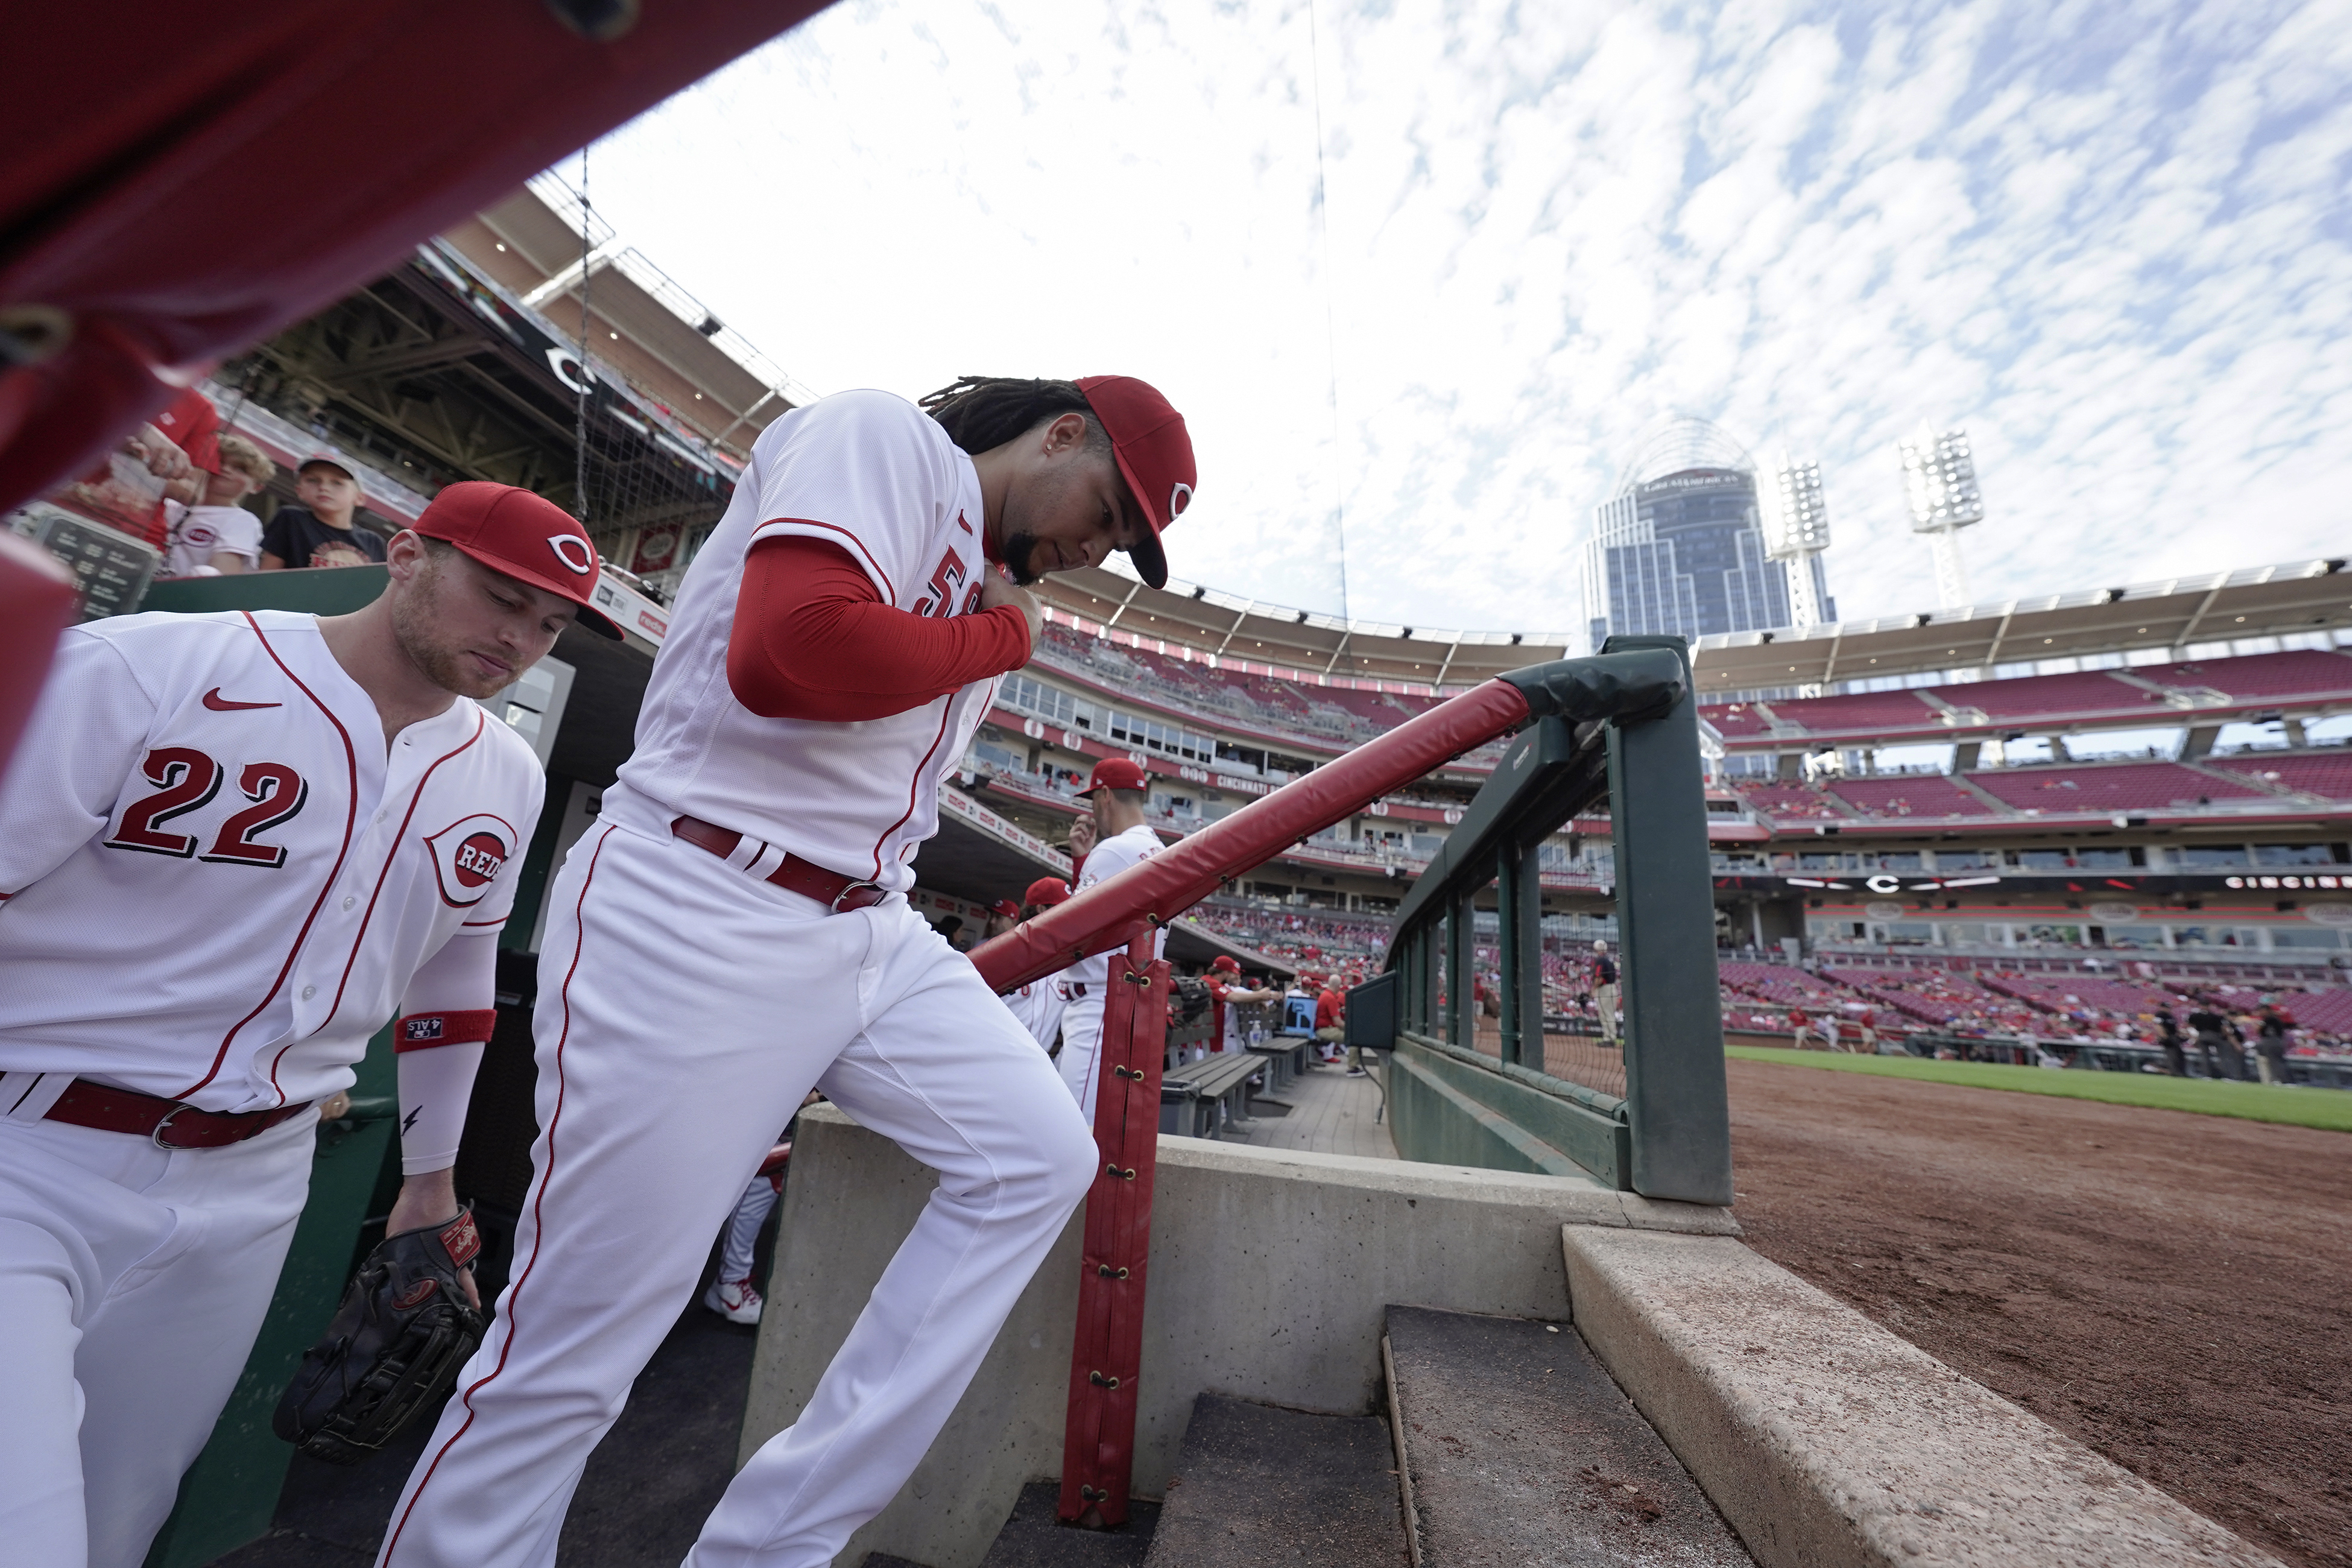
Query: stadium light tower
1797	529
1941	477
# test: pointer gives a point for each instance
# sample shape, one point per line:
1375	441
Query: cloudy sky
2113	240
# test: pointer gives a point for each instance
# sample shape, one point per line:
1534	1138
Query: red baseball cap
1046	893
1227	962
1155	457
1115	773
1006	908
528	537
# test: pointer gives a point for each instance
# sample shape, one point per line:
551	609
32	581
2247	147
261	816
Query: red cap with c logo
1155	457
525	536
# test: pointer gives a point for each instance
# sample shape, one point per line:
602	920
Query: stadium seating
2326	775
1909	794
1734	719
1780	983
2050	696
2255	677
2123	786
1944	999
2302	672
1787	800
1858	712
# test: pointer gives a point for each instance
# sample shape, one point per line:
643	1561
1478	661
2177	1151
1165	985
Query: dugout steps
1519	1451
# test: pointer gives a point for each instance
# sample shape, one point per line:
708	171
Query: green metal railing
1667	1133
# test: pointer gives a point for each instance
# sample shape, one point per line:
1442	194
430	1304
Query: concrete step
1035	1537
1257	1485
1521	1452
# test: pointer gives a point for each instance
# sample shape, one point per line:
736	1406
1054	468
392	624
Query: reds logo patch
468	856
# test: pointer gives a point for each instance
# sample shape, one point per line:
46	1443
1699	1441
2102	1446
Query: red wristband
423	1031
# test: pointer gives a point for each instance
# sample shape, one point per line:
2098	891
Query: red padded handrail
1187	871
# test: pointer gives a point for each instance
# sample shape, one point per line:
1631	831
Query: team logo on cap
565	545
468	856
1179	498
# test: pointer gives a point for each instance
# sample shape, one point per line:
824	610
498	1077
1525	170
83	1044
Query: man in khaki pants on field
1605	989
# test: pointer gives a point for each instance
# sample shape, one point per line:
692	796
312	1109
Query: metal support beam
1518	901
1461	970
1678	1103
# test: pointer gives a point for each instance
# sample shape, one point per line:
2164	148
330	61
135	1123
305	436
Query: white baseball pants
684	1010
1080	1061
751	1212
133	1280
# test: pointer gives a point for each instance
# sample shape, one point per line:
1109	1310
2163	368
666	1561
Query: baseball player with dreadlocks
833	648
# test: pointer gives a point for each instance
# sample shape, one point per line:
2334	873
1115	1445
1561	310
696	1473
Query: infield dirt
2173	1290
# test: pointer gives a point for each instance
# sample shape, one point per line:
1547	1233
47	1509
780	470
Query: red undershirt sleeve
812	639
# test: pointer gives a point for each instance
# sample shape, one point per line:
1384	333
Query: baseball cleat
737	1300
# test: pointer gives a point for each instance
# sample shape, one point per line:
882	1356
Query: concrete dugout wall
1269	1273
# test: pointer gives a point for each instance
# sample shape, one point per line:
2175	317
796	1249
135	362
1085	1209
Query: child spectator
216	537
321	532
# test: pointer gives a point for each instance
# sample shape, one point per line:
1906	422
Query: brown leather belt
830	888
169	1123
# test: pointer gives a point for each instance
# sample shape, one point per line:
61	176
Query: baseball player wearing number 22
734	930
231	847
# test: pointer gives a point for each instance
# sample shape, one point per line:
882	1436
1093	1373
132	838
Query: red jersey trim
915	784
351	815
855	544
399	837
513	1301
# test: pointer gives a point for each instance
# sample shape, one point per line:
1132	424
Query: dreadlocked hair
981	413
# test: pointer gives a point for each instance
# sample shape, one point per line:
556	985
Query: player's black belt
170	1123
830	888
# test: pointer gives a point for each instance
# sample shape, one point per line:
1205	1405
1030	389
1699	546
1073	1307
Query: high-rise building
1680	548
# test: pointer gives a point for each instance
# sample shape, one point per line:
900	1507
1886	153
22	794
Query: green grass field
2327	1109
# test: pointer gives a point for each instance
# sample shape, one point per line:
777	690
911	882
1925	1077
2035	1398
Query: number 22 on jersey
186	780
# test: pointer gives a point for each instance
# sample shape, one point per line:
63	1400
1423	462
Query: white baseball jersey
872	473
197	533
1104	861
214	884
1038	1005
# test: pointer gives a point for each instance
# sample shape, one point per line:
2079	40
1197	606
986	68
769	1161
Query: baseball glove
394	1347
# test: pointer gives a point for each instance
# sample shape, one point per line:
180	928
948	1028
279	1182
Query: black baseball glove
394	1347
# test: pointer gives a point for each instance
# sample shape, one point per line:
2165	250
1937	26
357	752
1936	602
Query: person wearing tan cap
233	847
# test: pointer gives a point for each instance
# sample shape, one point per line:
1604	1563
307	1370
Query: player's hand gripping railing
1640	684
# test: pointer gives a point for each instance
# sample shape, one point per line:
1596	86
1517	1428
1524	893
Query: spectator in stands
322	531
2271	1027
216	537
1605	989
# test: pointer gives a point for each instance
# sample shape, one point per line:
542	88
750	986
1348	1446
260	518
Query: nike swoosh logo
219	704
